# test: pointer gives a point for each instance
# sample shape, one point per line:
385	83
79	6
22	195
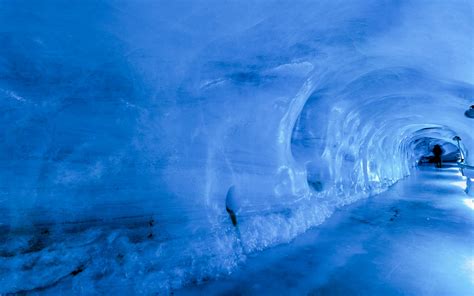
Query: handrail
466	170
465	166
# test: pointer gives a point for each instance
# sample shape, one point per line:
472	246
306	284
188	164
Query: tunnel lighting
457	139
469	202
470	112
460	184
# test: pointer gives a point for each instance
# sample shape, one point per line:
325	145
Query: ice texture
145	115
414	239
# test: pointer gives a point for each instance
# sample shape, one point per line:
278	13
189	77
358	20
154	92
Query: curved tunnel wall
370	123
158	109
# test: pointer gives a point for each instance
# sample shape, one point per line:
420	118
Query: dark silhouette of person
437	151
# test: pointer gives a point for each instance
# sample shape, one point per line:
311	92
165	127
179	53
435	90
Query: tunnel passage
425	151
357	148
422	143
120	108
362	136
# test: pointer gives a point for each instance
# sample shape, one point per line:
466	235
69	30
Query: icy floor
415	239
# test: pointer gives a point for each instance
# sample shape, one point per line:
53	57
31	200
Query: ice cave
236	147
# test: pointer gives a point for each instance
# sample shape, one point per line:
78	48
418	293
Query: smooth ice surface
132	125
415	239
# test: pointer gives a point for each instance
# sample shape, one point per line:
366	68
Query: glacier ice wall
123	108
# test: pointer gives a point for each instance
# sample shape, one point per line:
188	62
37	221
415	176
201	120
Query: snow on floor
415	239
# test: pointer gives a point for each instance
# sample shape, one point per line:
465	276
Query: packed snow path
415	239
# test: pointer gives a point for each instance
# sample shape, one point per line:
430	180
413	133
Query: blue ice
156	146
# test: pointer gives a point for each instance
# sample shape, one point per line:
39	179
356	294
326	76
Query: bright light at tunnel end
460	184
469	202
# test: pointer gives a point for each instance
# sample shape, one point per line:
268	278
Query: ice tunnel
224	127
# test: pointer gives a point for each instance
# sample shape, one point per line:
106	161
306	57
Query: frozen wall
121	108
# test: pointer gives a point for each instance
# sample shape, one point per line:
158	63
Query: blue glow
469	202
160	144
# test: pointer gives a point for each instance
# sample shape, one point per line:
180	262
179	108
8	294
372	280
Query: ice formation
159	111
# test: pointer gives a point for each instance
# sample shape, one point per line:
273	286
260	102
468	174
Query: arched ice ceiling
163	106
